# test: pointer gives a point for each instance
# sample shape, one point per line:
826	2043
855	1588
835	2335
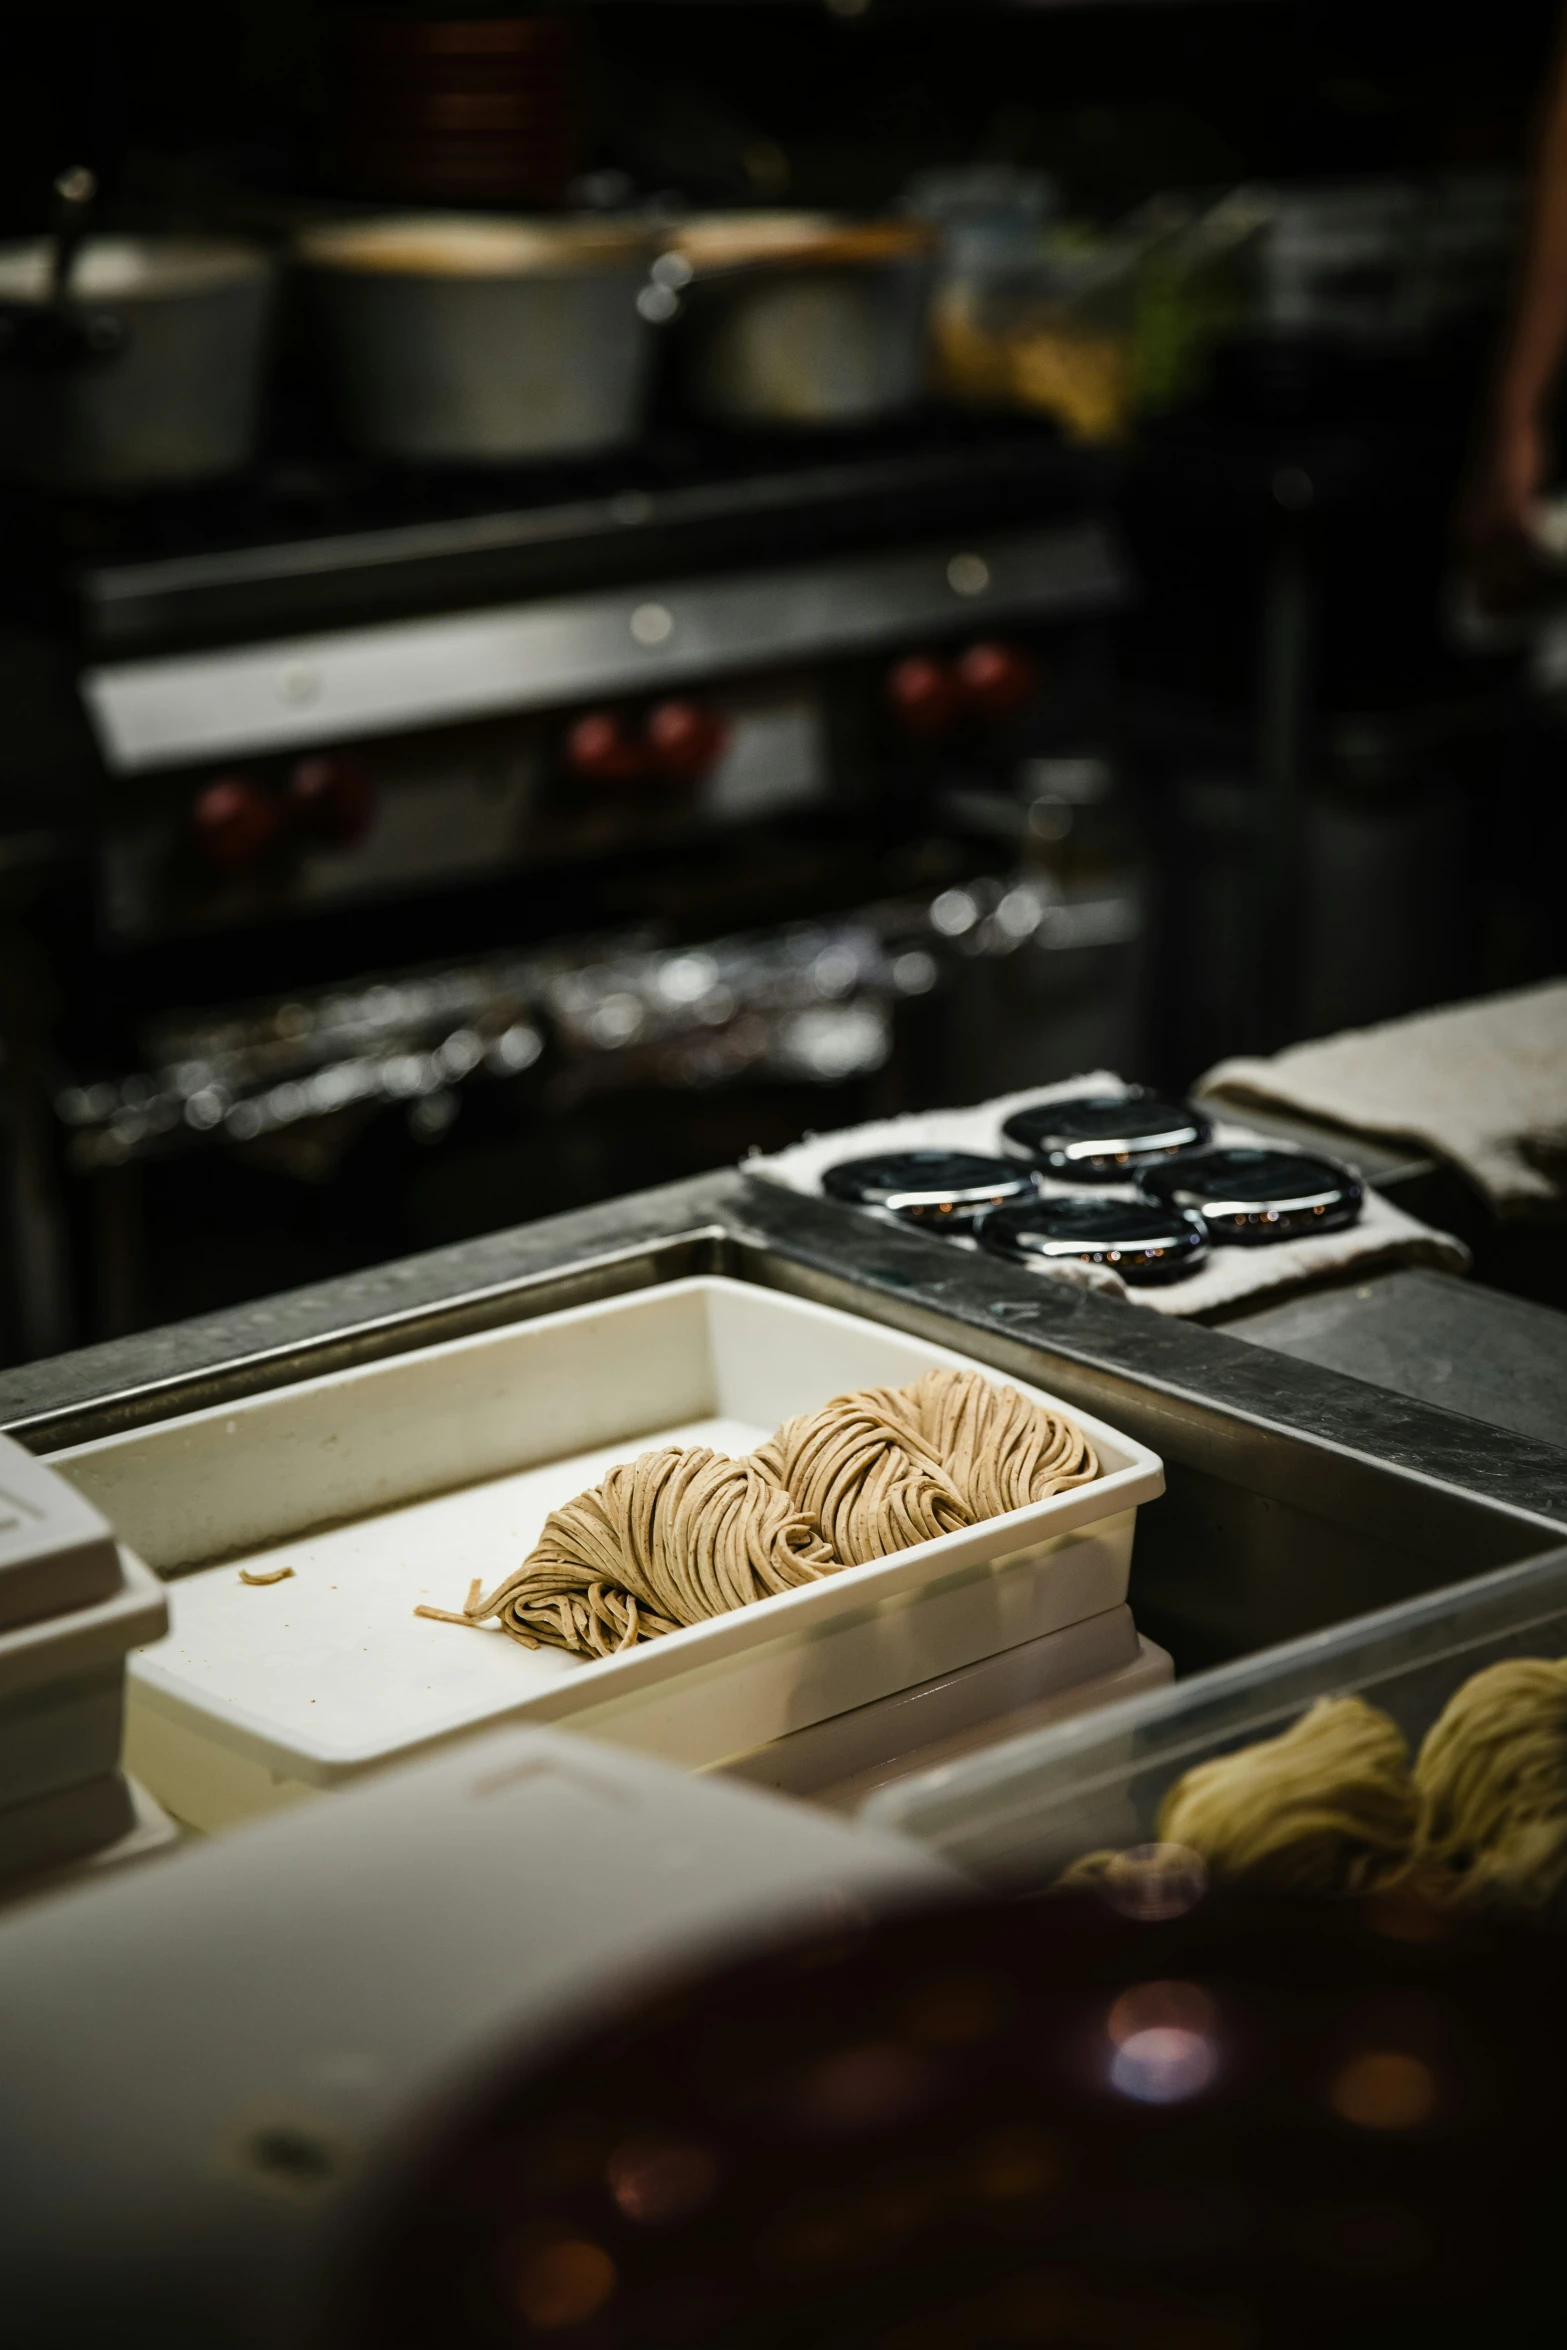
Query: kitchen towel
1483	1085
1232	1276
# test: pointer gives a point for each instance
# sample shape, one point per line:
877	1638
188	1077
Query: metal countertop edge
1014	1319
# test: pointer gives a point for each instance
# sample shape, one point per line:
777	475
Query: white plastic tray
841	1762
397	1483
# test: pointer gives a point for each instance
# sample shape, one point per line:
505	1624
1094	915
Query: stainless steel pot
484	340
147	371
800	319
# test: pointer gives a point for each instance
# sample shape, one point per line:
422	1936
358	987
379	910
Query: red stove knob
924	697
601	748
332	799
684	740
235	823
997	681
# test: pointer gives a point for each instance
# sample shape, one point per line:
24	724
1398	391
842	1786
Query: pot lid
1103	1138
1141	1240
929	1186
1259	1193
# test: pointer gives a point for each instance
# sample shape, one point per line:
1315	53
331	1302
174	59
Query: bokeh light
563	2283
1162	2034
659	2180
1384	2089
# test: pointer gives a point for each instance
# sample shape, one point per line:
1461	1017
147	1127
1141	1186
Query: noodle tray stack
301	1528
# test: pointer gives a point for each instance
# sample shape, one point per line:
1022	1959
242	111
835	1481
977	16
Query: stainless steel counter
1298	1496
1474	1350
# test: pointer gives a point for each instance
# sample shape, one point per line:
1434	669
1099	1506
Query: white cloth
1483	1085
1383	1236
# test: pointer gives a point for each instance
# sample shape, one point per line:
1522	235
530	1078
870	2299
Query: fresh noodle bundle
1333	1806
667	1539
1001	1451
890	1466
870	1484
1492	1780
1329	1807
678	1536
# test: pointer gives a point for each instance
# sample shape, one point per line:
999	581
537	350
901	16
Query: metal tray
1297	1498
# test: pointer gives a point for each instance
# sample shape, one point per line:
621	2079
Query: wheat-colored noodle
870	1485
1333	1805
684	1534
1001	1451
665	1540
1329	1807
1492	1778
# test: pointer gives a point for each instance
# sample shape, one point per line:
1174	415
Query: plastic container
99	1825
842	1761
394	1484
56	1551
62	1689
53	1830
1023	1811
1044	321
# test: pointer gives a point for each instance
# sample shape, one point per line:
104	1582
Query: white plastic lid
57	1552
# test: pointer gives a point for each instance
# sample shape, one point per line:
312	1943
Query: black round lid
1248	1192
1138	1239
1104	1138
938	1187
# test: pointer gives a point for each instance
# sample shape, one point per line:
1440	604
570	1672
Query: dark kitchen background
396	844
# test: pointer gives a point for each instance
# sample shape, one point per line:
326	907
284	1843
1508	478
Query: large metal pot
147	371
800	319
482	340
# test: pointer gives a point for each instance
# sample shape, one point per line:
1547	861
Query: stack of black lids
1101	1140
1152	1193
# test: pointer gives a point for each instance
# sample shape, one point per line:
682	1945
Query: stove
340	722
472	675
323	541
